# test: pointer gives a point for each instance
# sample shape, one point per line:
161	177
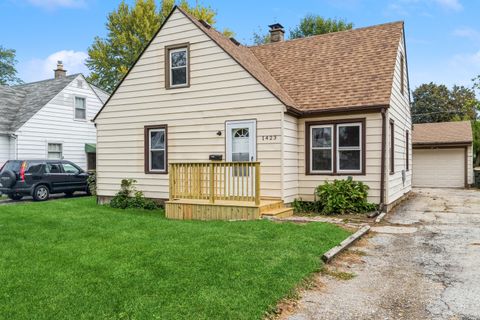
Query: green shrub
302	206
343	196
92	183
129	197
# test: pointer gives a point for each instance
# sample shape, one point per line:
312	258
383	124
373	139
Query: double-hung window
55	151
335	148
156	149
80	108
321	137
349	147
177	66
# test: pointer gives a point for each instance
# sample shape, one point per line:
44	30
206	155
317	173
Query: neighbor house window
407	150
392	147
80	109
335	148
177	66
402	74
156	149
55	151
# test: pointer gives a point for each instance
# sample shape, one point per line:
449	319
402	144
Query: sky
442	36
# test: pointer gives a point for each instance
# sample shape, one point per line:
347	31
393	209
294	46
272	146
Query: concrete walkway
423	262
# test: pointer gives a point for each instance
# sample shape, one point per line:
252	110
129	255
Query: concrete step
278	213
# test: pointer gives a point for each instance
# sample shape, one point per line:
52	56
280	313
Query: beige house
293	113
443	154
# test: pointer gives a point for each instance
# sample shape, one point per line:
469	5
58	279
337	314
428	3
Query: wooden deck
219	191
197	209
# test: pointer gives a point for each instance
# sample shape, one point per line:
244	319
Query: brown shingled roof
459	132
344	69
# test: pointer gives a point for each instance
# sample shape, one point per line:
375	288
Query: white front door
241	141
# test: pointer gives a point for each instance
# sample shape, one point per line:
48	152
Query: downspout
383	159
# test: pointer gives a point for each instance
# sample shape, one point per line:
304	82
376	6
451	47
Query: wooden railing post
170	182
257	183
212	183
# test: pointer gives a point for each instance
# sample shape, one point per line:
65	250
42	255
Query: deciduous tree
312	25
130	28
8	72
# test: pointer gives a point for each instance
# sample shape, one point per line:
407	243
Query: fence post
212	183
257	183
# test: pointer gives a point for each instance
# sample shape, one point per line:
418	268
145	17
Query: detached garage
442	155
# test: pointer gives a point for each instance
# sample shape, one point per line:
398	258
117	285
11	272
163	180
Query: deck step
278	213
271	205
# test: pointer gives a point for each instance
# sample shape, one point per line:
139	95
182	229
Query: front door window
241	141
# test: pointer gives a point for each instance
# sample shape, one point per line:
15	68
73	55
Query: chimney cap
275	26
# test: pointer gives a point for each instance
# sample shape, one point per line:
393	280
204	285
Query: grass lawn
72	259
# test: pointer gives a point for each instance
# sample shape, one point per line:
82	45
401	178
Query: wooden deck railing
235	181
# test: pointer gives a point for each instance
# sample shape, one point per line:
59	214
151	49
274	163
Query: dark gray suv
40	178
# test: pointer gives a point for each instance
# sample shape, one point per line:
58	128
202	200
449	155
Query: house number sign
269	138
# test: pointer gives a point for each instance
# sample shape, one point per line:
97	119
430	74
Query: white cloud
466	32
450	4
41	69
53	4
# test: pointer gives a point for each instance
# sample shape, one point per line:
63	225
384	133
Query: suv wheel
41	193
15	196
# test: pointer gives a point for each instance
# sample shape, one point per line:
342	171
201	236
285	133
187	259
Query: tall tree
312	25
130	28
437	103
8	72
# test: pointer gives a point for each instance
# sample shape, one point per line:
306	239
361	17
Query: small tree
8	72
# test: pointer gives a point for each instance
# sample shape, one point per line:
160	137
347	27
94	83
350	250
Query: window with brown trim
407	150
335	147
392	147
177	66
156	149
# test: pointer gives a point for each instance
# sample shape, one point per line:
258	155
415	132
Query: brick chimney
276	32
60	72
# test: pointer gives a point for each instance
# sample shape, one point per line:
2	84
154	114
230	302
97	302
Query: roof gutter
333	111
383	157
441	144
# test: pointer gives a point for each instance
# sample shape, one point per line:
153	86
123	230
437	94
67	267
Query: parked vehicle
40	178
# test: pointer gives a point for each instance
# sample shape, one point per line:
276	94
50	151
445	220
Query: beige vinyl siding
55	123
470	173
290	158
373	127
399	112
220	90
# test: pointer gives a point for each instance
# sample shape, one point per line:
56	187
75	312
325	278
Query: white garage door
443	168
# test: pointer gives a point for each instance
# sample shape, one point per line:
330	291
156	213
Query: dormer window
177	66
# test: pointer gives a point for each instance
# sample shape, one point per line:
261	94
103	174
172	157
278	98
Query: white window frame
61	149
75	108
331	126
150	150
359	148
170	64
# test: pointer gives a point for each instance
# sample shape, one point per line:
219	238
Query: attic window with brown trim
177	66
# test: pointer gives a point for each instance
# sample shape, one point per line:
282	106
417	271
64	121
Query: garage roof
442	133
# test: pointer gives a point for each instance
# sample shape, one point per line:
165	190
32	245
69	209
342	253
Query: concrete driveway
423	262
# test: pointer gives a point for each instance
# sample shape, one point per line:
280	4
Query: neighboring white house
443	154
50	119
309	110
